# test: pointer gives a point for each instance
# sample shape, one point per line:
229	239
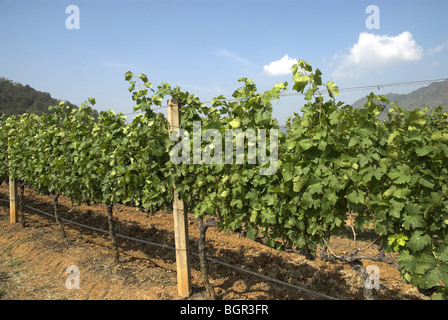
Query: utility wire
360	88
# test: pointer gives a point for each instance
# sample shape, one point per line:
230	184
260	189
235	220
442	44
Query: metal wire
375	86
308	291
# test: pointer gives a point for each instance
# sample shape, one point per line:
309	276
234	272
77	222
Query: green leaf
287	172
440	296
413	221
306	144
389	192
396	241
299	183
253	216
318	77
128	75
443	273
309	94
301	78
307	200
426	182
431	271
395	209
392	136
425	262
353	141
442	253
402	193
235	123
315	188
407	261
422	151
437	135
332	198
322	145
430	279
333	89
235	178
291	145
352	196
418	241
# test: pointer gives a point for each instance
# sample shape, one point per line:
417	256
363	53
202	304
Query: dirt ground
33	260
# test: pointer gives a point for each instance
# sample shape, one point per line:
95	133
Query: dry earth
33	260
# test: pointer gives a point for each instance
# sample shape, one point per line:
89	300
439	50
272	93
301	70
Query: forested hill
16	98
431	96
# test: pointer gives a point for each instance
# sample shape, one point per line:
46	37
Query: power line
360	88
396	84
135	112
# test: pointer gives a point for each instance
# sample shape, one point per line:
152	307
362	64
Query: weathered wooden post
181	237
13	202
13	199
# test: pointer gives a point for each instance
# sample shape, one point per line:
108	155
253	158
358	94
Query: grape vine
333	160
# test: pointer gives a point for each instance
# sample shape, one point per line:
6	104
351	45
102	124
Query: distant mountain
431	96
16	98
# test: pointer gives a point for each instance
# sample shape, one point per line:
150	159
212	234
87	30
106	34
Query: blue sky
205	46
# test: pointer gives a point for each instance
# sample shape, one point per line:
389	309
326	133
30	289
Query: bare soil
33	260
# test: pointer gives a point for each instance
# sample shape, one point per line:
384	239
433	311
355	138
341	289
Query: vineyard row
332	160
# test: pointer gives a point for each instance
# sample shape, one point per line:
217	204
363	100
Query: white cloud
437	49
108	62
374	51
280	67
232	56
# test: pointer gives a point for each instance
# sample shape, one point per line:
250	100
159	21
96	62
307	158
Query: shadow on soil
329	281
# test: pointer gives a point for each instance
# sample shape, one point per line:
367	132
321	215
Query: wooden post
13	202
13	199
181	237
